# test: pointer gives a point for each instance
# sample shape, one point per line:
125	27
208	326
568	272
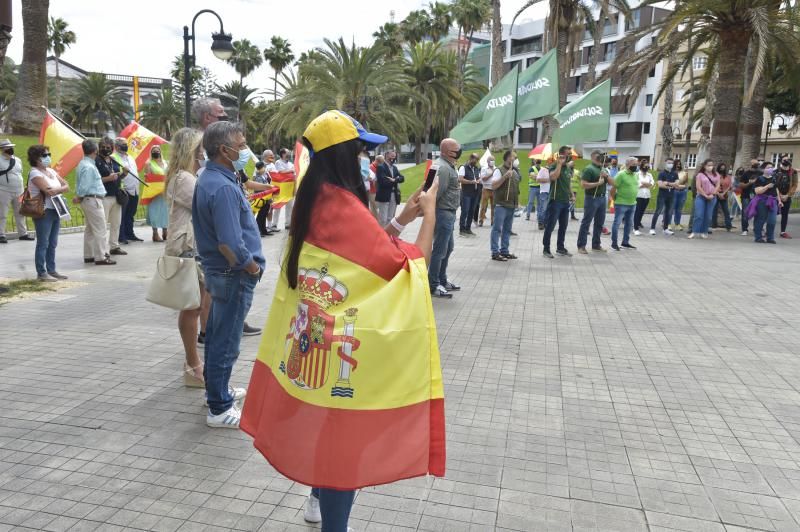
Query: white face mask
491	163
668	166
516	163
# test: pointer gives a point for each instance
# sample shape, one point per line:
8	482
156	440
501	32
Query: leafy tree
164	115
240	97
93	103
416	26
59	38
26	110
470	16
195	75
441	18
8	87
245	59
279	55
390	38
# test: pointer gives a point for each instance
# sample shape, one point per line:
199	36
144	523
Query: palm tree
26	110
279	55
94	102
416	26
245	59
470	16
497	44
390	38
8	87
441	19
59	38
164	115
359	81
239	96
195	75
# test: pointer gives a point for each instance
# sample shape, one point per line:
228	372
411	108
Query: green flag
537	89
586	119
494	116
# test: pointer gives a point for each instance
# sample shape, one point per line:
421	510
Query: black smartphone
432	171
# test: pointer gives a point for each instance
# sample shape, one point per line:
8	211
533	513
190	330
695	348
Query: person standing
131	185
613	169
469	177
11	186
447	200
706	189
746	182
558	206
593	182
533	188
111	174
229	245
643	197
786	180
388	179
283	164
725	183
624	189
765	205
666	197
487	194
574	184
680	192
157	214
543	178
44	181
373	184
89	194
505	183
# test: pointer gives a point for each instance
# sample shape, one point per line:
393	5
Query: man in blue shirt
229	246
89	194
667	181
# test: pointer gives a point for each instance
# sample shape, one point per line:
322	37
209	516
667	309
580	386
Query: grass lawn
12	289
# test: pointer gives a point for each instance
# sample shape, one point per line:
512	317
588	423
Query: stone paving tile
619	392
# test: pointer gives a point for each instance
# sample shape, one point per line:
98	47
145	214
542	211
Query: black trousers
128	214
785	214
261	217
641	205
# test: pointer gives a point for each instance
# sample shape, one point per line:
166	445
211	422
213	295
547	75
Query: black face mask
9	151
785	164
156	156
632	168
123	149
105	152
458	153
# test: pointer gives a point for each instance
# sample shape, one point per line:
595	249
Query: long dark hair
702	168
337	165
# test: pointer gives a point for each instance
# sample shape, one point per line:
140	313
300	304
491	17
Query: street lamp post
221	47
781	127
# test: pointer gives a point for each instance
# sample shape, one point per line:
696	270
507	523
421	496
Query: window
587	55
610	51
632	22
676	124
524	46
620	104
527	135
699	62
646	128
679	94
575	85
776	157
648	100
652	73
629	131
691	161
677	157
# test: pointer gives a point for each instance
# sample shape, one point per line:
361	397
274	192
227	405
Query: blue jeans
533	200
542	201
467	210
622	213
557	211
680	201
765	214
722	204
593	209
501	229
442	247
231	297
663	204
745	203
128	214
702	214
335	506
47	228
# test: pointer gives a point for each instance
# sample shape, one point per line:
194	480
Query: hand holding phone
430	176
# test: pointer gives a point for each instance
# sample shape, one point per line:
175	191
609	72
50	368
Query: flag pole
63	122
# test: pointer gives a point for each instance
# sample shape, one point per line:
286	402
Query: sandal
190	377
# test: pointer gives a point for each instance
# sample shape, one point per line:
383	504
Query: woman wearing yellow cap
346	391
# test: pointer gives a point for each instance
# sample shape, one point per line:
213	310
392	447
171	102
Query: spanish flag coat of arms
346	391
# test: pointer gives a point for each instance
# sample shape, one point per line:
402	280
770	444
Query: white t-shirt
544	174
130	183
50	177
486	176
645	178
284	166
12	181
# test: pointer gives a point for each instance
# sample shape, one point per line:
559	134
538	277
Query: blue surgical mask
46	161
241	162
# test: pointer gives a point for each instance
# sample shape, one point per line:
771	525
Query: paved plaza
656	389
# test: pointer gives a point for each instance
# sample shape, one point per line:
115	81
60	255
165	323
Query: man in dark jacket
387	197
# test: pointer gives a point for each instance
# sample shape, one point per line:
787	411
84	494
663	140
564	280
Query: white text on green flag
537	88
586	119
494	116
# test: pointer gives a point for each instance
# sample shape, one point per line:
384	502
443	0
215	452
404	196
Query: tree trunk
728	105
666	128
591	75
26	110
497	43
275	87
58	87
563	68
752	117
708	116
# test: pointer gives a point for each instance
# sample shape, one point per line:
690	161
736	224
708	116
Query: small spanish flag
64	143
301	160
259	199
140	141
346	391
155	184
285	181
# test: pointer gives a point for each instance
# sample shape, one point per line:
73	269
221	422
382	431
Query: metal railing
75	223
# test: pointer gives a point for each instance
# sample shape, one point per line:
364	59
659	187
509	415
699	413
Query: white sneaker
311	511
669	232
744	233
226	420
238	394
691	235
703	236
637	233
652	231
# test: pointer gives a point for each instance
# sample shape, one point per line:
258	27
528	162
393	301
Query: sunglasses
46	155
222	118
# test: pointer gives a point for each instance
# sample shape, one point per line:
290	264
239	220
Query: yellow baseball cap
334	127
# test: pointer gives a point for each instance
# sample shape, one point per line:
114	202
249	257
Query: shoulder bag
31	206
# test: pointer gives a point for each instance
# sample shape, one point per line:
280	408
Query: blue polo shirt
670	176
221	217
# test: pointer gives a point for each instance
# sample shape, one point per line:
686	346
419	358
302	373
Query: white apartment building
634	124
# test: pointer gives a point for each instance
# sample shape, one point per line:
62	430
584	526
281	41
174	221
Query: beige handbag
176	284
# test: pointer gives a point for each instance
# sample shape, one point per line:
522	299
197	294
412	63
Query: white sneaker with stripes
226	420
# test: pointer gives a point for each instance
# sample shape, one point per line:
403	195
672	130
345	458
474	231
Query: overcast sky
143	37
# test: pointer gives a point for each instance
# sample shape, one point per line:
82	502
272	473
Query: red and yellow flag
285	182
301	160
64	143
140	142
346	391
259	199
155	183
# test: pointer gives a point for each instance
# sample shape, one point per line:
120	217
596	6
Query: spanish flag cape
285	183
155	182
346	390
